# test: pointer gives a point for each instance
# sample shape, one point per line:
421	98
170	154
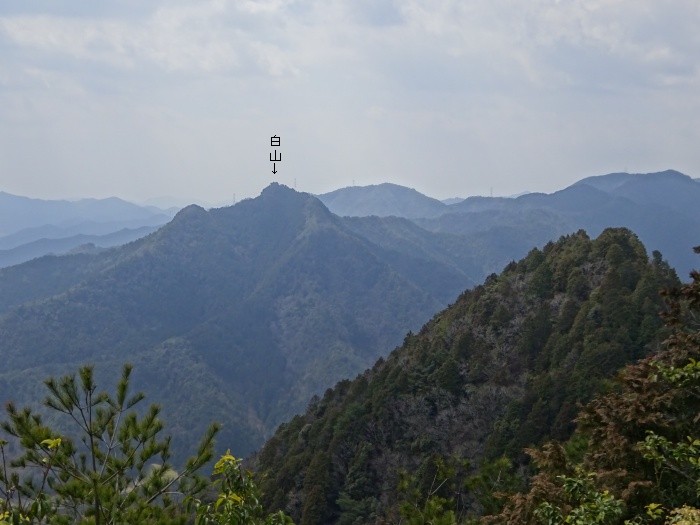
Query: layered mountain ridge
257	306
31	228
662	208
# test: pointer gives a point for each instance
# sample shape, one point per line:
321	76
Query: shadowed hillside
503	368
238	314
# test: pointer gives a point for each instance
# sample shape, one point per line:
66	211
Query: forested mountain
239	314
416	251
382	200
635	454
503	368
668	189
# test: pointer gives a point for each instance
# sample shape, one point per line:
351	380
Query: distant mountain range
452	200
18	213
662	208
382	200
31	228
63	245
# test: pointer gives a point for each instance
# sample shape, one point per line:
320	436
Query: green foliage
684	516
448	376
435	511
117	471
493	482
317	485
238	500
541	282
642	459
584	504
432	504
679	459
357	501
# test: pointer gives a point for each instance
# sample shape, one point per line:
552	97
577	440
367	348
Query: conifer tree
113	467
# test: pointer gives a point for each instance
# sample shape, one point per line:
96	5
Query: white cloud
382	87
178	39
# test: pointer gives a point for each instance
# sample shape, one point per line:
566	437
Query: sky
146	98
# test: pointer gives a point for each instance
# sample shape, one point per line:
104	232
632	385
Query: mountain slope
52	231
502	368
668	189
662	208
41	247
419	252
382	200
17	213
238	314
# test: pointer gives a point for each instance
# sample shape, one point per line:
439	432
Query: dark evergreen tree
635	457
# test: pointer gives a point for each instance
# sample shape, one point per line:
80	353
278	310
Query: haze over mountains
257	306
654	205
382	200
662	208
241	314
72	244
31	228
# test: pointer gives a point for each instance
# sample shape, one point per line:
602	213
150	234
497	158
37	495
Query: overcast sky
144	98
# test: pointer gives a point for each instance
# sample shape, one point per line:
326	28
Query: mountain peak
191	210
613	181
279	194
189	213
275	188
382	200
287	203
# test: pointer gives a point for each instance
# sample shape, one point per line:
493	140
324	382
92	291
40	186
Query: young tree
238	502
112	468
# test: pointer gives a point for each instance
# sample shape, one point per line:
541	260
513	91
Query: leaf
52	444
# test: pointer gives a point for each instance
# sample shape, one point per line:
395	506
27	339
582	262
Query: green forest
444	430
564	390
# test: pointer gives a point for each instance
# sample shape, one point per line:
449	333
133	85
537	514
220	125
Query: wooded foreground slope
504	367
634	458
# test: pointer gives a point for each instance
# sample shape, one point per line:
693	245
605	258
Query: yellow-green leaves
227	461
52	444
229	499
238	502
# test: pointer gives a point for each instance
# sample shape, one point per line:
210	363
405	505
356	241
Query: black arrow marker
273	168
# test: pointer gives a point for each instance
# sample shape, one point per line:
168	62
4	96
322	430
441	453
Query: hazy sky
142	98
